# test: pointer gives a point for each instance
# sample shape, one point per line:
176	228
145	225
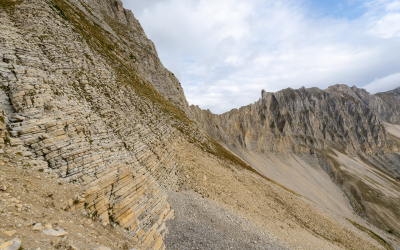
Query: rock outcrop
387	104
127	34
86	97
82	101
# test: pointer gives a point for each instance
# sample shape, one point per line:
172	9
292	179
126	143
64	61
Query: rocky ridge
385	104
328	126
299	121
127	35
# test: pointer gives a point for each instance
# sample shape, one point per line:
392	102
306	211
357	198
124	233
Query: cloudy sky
225	51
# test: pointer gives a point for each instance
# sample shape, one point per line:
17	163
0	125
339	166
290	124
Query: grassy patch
9	4
373	235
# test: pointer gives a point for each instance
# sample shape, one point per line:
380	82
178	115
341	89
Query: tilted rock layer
75	114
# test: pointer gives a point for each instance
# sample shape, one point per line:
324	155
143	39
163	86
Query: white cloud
384	18
224	52
384	84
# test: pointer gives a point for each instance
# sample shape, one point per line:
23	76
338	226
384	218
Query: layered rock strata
74	114
126	34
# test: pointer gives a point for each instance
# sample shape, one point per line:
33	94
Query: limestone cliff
299	121
385	104
389	106
79	82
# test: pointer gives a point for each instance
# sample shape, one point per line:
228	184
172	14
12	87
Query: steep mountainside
81	102
84	98
338	130
391	103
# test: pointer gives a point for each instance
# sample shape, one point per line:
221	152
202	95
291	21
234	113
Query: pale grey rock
101	248
299	121
15	244
54	232
38	227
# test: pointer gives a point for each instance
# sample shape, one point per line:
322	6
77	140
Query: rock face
2	130
128	33
79	82
299	121
388	107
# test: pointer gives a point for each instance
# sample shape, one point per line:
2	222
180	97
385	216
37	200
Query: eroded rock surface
299	121
71	112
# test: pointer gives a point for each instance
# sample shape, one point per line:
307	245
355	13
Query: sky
224	52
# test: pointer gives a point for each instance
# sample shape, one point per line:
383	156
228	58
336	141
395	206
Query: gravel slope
202	224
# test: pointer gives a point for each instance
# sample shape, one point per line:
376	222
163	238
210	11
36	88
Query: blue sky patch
350	9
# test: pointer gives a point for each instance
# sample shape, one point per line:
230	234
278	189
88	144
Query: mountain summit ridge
336	117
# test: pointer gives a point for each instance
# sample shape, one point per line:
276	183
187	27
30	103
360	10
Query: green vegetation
9	4
133	57
361	194
58	10
67	172
372	235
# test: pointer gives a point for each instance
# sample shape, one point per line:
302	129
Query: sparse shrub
133	57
